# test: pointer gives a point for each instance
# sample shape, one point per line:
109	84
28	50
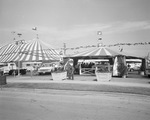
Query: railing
87	71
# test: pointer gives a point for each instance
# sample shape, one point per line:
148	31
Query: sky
76	22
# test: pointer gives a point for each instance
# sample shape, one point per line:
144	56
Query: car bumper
44	72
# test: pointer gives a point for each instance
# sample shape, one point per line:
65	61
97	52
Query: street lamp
19	43
99	33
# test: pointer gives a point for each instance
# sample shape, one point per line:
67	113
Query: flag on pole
34	28
61	53
120	49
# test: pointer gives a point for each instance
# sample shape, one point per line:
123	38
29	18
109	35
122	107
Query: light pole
64	49
99	33
35	29
19	43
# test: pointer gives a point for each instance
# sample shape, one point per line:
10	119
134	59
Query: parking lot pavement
134	83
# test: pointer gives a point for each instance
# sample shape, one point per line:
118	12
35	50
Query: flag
34	28
61	53
19	34
121	49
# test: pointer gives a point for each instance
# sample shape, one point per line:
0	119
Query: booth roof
96	52
102	52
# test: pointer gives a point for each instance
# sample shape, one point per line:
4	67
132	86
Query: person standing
70	72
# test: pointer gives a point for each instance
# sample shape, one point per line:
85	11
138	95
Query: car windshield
12	64
53	64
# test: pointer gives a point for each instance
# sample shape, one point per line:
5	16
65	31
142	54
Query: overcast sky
76	22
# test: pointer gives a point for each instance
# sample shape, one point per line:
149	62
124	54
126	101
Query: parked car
6	67
11	69
135	68
46	68
30	66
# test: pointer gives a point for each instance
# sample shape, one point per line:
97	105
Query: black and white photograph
74	60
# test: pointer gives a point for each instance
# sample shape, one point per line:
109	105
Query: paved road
72	105
133	77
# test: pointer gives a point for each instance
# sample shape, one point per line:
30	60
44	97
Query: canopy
100	52
131	55
103	52
35	50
